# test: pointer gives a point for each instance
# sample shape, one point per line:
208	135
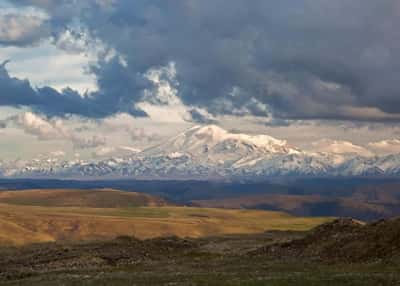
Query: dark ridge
343	240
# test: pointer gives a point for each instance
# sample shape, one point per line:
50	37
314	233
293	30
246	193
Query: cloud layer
385	147
18	93
292	60
22	30
340	147
46	130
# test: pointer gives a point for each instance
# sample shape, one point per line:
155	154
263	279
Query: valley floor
105	237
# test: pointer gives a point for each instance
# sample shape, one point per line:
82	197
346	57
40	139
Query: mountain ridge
210	152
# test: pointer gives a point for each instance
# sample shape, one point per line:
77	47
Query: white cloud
119	151
72	42
87	143
164	89
386	147
47	130
162	102
339	147
46	65
127	128
24	26
141	134
57	153
20	29
44	130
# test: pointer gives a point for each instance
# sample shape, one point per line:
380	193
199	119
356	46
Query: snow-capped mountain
214	145
208	152
359	166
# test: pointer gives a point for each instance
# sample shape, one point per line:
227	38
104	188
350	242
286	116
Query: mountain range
210	152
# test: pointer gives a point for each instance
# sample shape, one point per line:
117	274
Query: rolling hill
59	215
341	252
96	198
342	240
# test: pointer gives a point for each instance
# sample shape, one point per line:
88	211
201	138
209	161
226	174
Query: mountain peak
220	134
213	143
212	130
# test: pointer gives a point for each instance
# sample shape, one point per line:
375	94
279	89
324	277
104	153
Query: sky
97	78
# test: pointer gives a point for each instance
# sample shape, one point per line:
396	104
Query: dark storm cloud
301	59
18	93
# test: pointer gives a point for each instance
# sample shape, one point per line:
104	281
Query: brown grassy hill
343	240
21	224
99	198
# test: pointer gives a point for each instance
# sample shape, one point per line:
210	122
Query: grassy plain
29	224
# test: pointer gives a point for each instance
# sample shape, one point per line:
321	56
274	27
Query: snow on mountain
390	164
340	147
387	165
359	166
209	152
300	164
215	145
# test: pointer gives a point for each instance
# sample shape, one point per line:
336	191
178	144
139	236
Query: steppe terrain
64	215
109	237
